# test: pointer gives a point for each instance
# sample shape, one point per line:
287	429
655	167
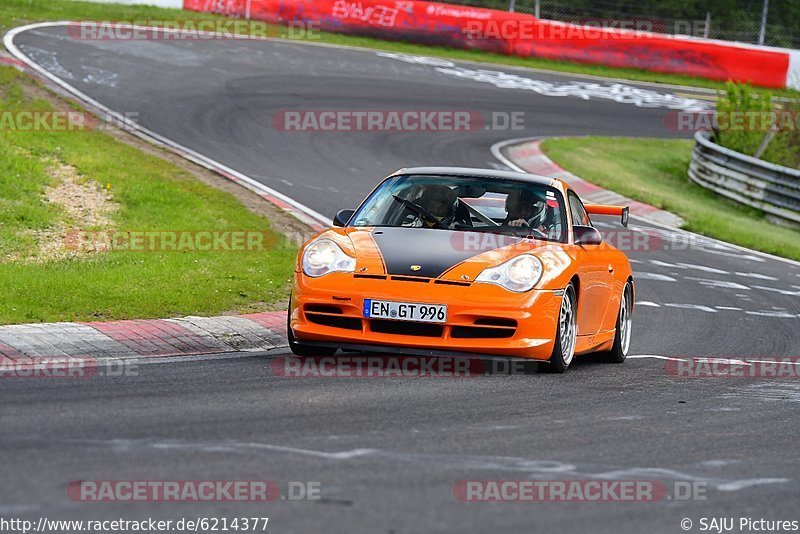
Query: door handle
610	268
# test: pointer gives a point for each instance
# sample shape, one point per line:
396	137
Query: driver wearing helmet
439	201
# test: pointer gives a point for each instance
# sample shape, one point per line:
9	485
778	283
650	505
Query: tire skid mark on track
532	467
644	275
712	283
722	284
775	314
773	391
615	92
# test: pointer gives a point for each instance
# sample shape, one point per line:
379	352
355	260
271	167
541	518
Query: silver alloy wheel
625	320
567	325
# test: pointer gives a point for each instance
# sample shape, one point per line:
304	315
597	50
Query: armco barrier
523	35
768	187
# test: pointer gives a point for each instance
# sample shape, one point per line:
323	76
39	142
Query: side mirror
342	216
586	235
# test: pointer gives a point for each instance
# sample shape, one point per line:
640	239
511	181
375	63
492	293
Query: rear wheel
622	337
299	349
566	333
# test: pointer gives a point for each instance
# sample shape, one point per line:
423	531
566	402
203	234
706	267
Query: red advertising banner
518	34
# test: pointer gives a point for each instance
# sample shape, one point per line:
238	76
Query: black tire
300	349
622	336
566	334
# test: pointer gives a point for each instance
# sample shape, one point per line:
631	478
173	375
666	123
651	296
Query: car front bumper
481	318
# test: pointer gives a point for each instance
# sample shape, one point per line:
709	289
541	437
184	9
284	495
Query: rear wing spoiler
600	209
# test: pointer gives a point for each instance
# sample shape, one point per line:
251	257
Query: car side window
579	215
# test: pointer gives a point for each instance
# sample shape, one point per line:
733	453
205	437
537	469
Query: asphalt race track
388	453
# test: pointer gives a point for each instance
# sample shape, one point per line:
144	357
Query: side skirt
594	343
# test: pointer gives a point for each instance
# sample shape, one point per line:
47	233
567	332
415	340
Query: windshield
469	204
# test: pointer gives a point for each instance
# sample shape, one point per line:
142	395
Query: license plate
405	311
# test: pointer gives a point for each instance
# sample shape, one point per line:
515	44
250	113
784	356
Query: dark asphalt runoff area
388	453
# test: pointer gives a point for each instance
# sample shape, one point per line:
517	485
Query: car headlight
324	256
518	274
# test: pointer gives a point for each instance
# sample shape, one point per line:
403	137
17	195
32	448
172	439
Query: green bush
785	147
782	149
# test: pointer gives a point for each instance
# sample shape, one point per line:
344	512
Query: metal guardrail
771	188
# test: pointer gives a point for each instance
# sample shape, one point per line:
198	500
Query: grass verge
142	193
19	12
654	171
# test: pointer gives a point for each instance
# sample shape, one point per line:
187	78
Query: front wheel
566	333
622	337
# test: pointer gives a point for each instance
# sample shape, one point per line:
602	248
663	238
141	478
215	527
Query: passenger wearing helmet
525	210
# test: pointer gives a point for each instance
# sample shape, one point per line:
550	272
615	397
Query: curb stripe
158	338
59	340
274	321
147	338
13	62
7	352
237	333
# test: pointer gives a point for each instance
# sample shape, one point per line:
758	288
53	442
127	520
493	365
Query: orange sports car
442	260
